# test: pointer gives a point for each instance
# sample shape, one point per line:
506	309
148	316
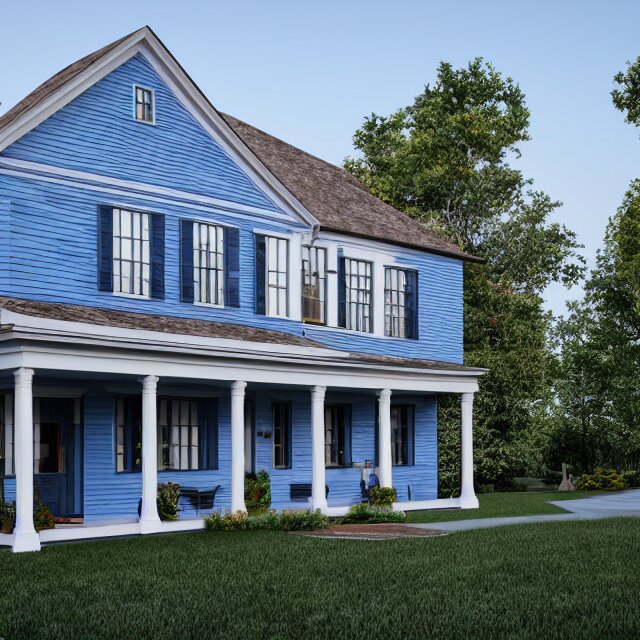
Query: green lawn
567	581
498	505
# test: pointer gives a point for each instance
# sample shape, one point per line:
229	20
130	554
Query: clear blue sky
309	72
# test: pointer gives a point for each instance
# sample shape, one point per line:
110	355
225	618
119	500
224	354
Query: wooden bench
301	492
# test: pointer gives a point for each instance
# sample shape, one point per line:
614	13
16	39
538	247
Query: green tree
446	160
626	95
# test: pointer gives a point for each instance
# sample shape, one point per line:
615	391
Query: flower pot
7	525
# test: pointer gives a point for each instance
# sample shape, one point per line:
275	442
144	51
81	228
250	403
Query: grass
499	505
566	581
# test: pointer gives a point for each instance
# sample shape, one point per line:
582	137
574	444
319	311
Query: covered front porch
72	409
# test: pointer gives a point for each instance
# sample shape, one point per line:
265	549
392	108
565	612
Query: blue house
186	298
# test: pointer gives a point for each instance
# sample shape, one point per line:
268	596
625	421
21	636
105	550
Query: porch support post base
150	526
469	502
25	542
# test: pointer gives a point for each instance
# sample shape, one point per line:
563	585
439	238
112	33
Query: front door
57	451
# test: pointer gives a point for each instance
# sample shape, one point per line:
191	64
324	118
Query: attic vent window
144	105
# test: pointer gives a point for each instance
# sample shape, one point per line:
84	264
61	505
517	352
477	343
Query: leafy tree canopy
626	95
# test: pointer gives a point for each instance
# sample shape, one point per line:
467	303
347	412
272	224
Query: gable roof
319	191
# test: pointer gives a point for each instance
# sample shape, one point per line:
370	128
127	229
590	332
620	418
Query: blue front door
57	450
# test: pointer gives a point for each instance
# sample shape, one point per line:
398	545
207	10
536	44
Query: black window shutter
342	294
209	422
186	261
232	266
105	248
411	301
157	255
260	276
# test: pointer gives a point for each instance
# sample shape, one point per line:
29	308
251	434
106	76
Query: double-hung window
281	435
144	106
400	303
128	433
131	253
208	263
272	276
337	435
187	438
186	432
356	294
314	285
402	429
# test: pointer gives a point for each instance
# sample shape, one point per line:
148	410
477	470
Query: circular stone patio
370	532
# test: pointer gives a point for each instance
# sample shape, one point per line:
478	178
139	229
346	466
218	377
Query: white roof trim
146	43
77	333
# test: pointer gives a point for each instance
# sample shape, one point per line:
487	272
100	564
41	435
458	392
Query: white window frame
117	238
221	273
322	279
135	104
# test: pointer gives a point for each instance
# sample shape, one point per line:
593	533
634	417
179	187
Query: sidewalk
618	504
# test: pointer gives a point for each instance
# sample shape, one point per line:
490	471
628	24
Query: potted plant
8	516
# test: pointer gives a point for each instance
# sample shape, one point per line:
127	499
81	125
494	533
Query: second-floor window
272	276
131	253
356	294
400	303
208	263
314	284
144	105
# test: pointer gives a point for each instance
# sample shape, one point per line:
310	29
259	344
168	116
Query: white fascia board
74	359
145	43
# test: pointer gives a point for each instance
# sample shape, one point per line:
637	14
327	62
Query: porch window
281	435
356	295
208	263
400	302
144	105
402	434
314	284
128	434
131	253
186	435
337	435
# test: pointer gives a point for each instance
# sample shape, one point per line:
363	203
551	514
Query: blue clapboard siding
97	133
53	230
344	484
111	495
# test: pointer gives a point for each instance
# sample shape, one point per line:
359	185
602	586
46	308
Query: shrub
227	521
168	497
284	521
364	513
604	479
303	520
631	478
382	496
257	491
42	517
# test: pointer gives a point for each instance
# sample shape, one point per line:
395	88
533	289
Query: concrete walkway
622	503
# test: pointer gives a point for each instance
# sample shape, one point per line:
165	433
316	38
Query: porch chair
200	498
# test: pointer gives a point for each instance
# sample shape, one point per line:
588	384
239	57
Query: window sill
209	305
136	296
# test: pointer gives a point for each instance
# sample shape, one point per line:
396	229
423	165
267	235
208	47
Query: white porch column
468	498
318	490
149	519
237	446
25	536
384	438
